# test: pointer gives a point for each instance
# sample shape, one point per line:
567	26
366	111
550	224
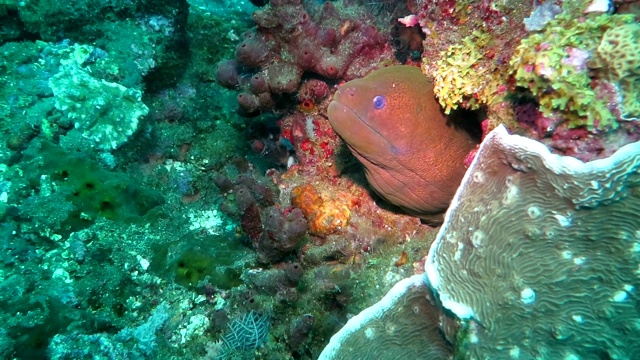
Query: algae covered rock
539	253
105	112
80	192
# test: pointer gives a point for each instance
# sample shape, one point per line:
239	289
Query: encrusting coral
325	215
554	66
619	50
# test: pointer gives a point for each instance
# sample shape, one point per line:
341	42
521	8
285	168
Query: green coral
619	50
542	63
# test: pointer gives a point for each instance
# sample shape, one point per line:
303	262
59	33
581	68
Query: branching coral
461	78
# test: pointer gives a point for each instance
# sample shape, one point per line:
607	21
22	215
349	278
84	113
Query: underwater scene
309	179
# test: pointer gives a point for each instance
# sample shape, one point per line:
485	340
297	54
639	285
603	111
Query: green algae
89	191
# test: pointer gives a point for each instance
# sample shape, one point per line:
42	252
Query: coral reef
126	169
458	80
273	231
283	232
556	88
104	112
403	324
300	329
157	28
94	92
325	215
466	46
556	208
246	333
578	102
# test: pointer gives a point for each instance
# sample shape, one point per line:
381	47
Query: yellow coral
459	76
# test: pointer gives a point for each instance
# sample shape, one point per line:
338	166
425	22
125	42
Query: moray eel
412	155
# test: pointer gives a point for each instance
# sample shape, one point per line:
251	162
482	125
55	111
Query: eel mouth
356	130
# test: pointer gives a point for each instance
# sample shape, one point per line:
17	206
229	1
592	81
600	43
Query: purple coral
252	52
227	73
293	41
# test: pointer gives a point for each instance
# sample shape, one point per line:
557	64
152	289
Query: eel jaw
357	132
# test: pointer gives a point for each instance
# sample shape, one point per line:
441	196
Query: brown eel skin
412	155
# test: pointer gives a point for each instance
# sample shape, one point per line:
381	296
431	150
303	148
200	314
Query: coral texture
292	40
465	48
248	332
554	66
620	51
283	233
402	325
539	253
325	215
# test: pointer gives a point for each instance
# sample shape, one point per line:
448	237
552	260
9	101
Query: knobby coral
292	40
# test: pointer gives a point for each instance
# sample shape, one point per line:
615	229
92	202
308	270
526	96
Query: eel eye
379	102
